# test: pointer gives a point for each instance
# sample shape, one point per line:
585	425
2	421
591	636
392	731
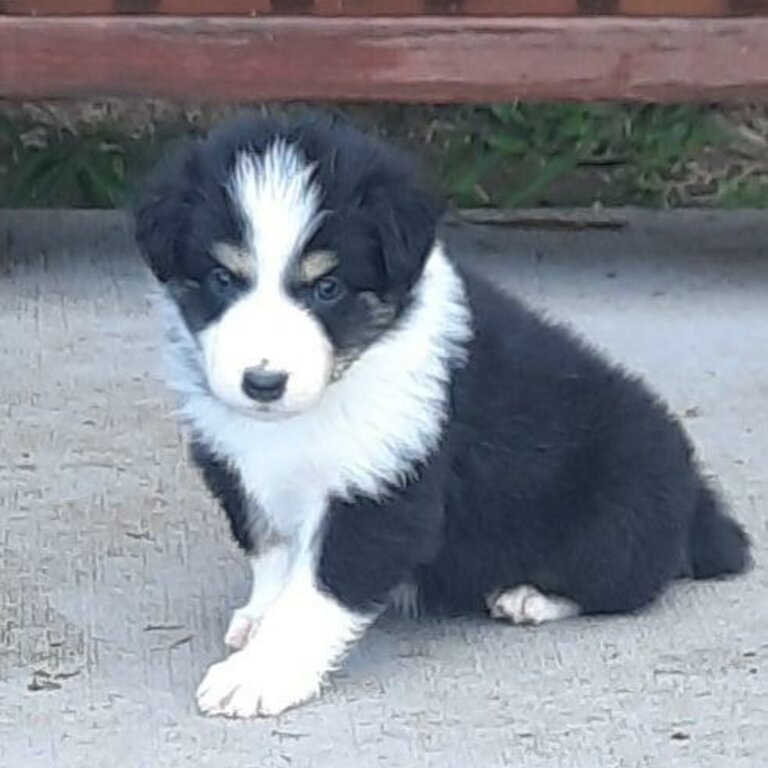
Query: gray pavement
117	574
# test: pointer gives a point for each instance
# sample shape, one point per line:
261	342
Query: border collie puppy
379	427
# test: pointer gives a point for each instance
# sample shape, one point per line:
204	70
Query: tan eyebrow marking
236	259
317	264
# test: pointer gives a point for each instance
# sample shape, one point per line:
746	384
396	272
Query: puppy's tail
718	544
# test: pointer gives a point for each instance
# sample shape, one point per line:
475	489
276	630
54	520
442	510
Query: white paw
244	685
526	605
242	628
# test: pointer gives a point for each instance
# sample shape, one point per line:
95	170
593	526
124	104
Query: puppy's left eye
220	281
328	289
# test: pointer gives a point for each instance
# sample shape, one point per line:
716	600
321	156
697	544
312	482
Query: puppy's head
289	249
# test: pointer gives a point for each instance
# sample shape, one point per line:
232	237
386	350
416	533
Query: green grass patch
505	155
521	154
47	166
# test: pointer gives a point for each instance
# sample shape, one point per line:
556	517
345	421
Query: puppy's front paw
242	628
284	659
245	685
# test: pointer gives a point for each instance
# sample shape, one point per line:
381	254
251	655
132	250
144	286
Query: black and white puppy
376	424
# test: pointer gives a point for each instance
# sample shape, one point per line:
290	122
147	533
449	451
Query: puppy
376	424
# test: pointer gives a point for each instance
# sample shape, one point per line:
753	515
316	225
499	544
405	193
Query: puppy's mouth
271	413
262	412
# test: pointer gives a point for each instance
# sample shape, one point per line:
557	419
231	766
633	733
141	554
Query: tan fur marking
237	260
317	264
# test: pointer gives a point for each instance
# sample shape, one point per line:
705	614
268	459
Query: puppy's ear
406	219
161	210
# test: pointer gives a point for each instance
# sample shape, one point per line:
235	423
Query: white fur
526	605
299	639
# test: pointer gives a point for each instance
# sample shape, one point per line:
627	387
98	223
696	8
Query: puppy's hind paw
526	605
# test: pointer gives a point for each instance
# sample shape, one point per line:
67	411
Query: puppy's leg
270	572
300	638
526	605
333	594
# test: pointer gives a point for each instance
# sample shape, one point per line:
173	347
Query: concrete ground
117	574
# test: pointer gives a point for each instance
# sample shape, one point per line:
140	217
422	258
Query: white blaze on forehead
279	203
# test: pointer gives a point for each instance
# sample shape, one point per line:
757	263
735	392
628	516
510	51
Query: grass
504	155
60	166
513	155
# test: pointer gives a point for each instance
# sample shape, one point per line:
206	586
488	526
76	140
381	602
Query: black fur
370	546
225	486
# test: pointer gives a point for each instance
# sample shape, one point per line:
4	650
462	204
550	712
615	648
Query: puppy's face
289	251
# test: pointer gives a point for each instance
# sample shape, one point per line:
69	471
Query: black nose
264	386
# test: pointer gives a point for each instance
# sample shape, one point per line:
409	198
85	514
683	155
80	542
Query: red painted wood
386	7
431	60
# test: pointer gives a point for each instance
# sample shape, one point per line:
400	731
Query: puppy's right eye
220	281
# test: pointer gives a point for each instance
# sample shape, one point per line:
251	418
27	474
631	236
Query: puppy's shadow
396	650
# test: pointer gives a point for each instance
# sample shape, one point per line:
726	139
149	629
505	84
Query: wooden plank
684	8
430	60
